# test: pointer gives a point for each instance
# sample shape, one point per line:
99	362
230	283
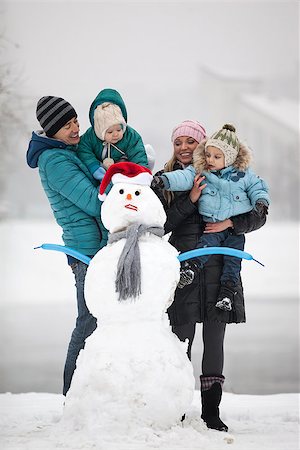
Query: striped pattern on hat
53	113
226	140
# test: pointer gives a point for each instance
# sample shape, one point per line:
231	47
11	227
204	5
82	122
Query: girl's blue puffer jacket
229	192
71	191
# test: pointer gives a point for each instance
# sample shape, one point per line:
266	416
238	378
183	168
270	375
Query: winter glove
99	173
261	207
225	298
188	271
159	182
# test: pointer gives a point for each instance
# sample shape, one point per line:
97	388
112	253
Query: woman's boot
211	394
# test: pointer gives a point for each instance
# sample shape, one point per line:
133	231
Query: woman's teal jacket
71	191
131	146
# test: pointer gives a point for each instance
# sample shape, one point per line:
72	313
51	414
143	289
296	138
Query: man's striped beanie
53	113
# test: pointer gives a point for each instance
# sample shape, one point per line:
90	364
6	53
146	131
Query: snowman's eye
137	192
121	191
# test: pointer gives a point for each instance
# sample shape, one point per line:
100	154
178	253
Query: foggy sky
151	52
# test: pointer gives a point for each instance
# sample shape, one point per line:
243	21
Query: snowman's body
133	369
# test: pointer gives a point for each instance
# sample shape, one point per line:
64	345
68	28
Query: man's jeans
232	264
85	325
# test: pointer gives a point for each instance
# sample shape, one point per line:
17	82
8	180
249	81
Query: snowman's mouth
133	207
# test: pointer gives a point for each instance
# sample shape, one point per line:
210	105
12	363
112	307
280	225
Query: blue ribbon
68	251
182	257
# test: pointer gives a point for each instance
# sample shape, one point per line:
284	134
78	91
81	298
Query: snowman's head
131	199
131	203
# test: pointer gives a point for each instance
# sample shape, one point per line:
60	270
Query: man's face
69	133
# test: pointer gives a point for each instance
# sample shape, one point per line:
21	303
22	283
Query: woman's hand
215	227
197	189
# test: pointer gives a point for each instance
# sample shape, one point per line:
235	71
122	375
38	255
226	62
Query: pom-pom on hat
226	140
190	128
125	172
53	113
105	116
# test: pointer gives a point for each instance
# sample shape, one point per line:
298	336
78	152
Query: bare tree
11	124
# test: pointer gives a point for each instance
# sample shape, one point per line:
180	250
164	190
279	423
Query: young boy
231	188
110	139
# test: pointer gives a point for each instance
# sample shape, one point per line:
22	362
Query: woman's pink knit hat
190	128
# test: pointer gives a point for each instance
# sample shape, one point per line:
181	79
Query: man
73	196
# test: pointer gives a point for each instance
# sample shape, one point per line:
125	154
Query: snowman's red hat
125	172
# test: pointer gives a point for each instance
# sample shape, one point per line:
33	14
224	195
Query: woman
196	302
73	196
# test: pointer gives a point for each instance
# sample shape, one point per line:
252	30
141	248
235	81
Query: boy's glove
157	182
261	207
226	295
99	173
188	271
160	182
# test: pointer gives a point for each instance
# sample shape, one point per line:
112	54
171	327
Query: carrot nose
129	197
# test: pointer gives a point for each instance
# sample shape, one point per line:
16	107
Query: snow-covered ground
32	420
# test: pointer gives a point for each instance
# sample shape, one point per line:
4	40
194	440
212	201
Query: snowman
133	370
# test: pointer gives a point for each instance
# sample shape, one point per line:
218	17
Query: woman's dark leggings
213	337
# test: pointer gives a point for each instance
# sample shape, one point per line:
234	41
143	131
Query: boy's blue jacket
231	191
90	148
71	191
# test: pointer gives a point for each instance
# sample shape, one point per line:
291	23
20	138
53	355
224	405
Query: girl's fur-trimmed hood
241	163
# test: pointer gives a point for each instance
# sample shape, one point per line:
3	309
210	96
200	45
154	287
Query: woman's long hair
169	167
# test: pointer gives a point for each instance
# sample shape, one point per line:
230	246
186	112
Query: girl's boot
211	394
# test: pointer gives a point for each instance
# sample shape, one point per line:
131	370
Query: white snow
32	422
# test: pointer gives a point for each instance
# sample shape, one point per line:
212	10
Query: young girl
231	188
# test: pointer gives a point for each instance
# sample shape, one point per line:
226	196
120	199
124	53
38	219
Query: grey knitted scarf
128	281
